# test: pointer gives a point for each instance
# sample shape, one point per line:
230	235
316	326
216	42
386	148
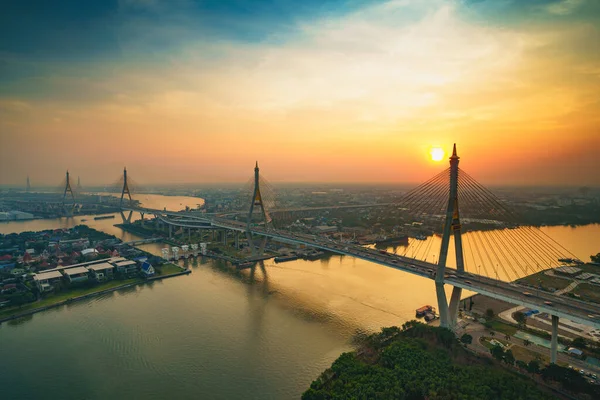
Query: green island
419	361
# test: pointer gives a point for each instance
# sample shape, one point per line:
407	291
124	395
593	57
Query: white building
126	267
46	281
102	272
77	274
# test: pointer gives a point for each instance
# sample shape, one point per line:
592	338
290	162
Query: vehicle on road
468	282
548	303
527	294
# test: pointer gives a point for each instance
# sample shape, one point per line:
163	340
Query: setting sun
437	154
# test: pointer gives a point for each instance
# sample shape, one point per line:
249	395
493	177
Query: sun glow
437	154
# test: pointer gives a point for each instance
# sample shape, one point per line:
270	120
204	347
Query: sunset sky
316	91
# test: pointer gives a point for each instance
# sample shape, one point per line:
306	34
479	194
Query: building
147	269
126	267
566	270
76	275
325	229
46	281
102	272
89	253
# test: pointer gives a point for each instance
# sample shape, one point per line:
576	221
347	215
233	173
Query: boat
314	255
289	257
420	312
421	237
104	217
430	317
392	240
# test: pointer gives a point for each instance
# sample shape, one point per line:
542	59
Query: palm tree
526	342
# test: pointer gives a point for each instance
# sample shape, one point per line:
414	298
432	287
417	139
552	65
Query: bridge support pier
453	308
142	218
170	231
554	341
442	305
126	219
224	237
236	237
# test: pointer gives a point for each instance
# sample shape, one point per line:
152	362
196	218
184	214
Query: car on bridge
548	303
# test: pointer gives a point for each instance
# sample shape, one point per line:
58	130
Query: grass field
587	291
547	282
169	268
500	326
525	354
61	296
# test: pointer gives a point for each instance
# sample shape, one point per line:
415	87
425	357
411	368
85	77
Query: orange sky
357	96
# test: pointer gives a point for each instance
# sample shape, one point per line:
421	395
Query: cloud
564	7
396	75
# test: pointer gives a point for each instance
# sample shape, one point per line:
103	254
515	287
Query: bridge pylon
257	201
28	187
69	190
125	190
448	313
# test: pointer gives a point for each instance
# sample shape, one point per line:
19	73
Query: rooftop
47	275
76	271
124	263
101	267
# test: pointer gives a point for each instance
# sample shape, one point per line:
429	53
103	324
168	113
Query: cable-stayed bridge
484	262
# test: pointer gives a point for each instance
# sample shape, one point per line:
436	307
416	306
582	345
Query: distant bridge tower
78	183
28	187
124	191
452	226
68	189
257	201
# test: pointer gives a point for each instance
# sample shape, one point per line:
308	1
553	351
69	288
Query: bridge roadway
201	215
563	307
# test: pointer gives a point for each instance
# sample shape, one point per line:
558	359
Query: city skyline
349	91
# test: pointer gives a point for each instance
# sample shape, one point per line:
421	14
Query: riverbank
171	271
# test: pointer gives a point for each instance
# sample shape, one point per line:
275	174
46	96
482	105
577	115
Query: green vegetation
65	295
418	362
167	269
595	258
501	327
588	292
521	318
466	338
546	282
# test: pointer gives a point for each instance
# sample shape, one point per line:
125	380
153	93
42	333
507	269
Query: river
216	333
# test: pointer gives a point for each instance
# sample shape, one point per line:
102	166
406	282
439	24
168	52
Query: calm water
216	333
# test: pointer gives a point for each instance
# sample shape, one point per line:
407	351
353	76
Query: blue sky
300	78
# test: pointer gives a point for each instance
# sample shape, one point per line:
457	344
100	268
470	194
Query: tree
520	318
466	338
526	342
533	366
492	333
595	258
497	352
522	364
579	342
509	358
489	313
507	337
